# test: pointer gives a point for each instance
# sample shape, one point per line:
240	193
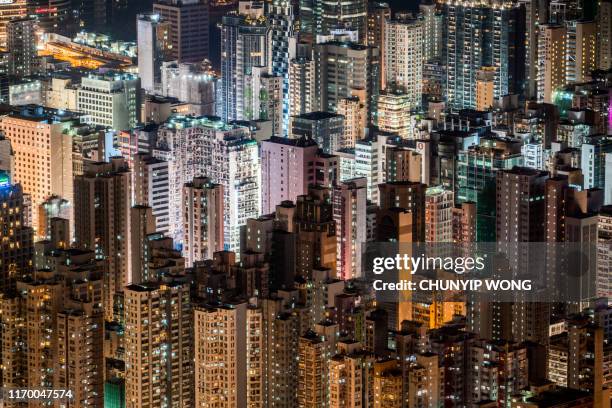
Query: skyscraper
159	353
403	55
9	11
580	47
438	215
226	154
120	94
349	207
322	17
604	32
16	237
21	43
101	212
203	220
244	45
150	31
342	70
484	33
283	50
551	61
324	128
44	168
188	33
286	166
228	355
301	86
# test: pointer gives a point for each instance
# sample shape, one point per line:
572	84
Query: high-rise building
498	370
150	30
343	70
101	213
464	223
110	99
316	231
301	86
159	349
409	198
350	374
244	45
403	55
43	153
476	171
354	113
151	187
228	355
520	216
283	49
393	113
479	34
323	17
54	16
349	208
226	154
21	44
10	11
188	31
604	33
593	160
315	351
264	99
280	333
192	83
551	61
580	47
16	237
432	30
28	355
387	384
324	128
604	256
203	220
378	14
485	81
438	215
286	166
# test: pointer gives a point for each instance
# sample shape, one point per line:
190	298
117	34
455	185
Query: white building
111	99
404	58
151	188
226	154
534	155
149	50
193	83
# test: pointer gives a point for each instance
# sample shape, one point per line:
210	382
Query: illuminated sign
5	181
7	1
45	10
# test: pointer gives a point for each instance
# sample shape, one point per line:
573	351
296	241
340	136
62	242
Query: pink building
287	168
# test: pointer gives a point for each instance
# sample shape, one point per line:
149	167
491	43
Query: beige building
60	93
551	61
387	384
438	215
228	356
394	113
158	346
102	221
202	219
354	113
403	56
43	153
485	85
